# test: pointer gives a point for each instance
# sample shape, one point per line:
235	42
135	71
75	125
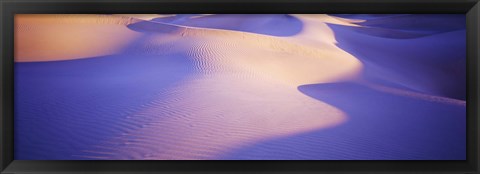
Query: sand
67	37
238	87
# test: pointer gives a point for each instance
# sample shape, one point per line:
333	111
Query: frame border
10	7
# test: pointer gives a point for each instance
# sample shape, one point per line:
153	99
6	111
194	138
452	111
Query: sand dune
407	26
425	23
416	63
66	37
216	117
404	100
238	87
318	56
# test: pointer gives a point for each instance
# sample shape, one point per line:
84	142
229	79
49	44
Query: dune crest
275	56
218	108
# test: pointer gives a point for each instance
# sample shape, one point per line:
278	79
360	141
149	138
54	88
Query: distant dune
67	37
239	87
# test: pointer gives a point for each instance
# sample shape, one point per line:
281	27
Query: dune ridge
199	109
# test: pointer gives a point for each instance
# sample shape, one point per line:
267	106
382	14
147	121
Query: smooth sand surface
238	87
67	37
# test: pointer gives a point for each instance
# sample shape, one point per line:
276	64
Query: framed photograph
226	86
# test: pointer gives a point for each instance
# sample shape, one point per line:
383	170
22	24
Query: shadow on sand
273	24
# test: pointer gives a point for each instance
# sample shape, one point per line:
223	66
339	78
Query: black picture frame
10	7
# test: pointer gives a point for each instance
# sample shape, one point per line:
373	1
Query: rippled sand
239	87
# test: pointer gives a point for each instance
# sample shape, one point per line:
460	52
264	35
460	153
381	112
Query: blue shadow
64	107
268	24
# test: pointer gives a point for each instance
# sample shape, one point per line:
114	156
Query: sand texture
232	86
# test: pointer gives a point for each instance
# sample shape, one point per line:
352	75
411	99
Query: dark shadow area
432	64
431	23
365	16
268	24
406	26
152	27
